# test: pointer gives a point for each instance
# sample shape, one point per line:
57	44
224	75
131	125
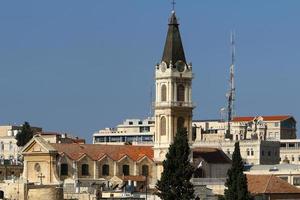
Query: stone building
271	128
77	166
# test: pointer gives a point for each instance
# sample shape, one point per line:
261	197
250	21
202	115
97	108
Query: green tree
236	182
175	179
25	135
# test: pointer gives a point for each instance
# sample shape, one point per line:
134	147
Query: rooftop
269	184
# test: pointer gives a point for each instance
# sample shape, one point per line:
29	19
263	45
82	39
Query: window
125	170
144	129
252	152
105	170
298	158
248	152
262	152
296	181
293	159
269	153
285	178
180	92
145	170
130	123
276	124
194	133
10	147
140	122
180	123
163	93
85	169
64	169
1	146
163	125
236	137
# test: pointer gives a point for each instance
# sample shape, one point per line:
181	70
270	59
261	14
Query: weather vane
173	4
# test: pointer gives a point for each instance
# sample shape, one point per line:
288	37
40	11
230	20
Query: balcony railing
174	104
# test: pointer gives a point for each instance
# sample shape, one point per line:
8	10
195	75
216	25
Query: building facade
134	131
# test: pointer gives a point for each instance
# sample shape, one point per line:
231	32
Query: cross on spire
173	5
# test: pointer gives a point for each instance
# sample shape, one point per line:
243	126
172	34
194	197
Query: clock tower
173	97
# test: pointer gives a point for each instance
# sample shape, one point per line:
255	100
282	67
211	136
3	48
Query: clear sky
80	66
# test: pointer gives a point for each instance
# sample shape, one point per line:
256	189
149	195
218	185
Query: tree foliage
175	179
236	182
25	135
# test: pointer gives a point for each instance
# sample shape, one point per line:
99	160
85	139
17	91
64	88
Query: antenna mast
231	92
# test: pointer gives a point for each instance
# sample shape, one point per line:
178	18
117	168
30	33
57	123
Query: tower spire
173	50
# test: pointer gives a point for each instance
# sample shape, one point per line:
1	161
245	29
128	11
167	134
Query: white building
134	131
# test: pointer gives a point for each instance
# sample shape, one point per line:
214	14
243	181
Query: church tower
173	97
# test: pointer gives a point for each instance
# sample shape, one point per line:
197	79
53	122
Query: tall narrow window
105	170
180	123
126	170
163	93
145	170
180	92
64	169
163	125
85	169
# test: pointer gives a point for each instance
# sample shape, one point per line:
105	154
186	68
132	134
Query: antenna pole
173	5
231	92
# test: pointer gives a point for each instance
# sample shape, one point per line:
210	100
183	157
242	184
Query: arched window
64	169
180	123
180	92
163	93
163	125
125	170
105	170
84	169
145	170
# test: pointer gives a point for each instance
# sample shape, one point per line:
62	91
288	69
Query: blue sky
79	66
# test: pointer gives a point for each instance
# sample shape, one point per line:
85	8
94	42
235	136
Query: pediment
35	147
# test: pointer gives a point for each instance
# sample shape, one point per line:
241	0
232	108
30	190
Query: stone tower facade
173	97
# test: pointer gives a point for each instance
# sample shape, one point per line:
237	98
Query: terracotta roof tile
97	151
269	184
265	118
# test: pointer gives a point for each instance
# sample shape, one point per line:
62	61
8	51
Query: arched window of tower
180	92
163	125
163	93
180	123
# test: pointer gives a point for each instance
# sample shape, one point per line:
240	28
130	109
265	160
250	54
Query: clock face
180	66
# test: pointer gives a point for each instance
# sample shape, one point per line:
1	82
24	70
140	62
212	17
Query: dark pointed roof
173	47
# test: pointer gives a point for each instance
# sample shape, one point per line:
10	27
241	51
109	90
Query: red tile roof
98	151
269	184
265	118
211	155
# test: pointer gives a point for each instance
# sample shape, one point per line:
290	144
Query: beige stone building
271	128
253	152
290	151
